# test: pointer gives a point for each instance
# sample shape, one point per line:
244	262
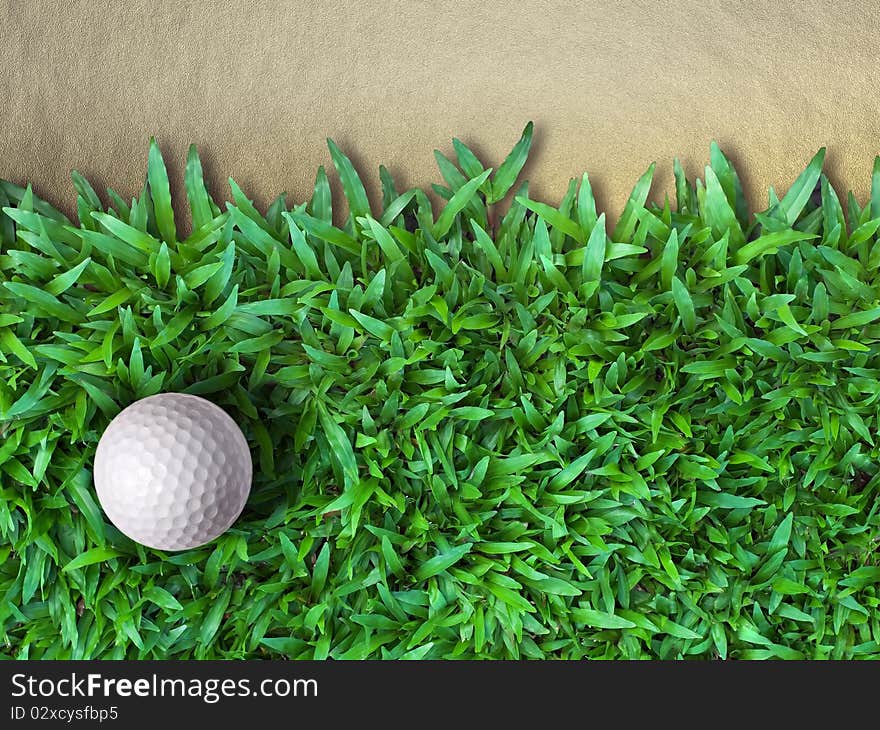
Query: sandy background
611	87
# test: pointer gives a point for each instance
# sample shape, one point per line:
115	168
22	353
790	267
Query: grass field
475	435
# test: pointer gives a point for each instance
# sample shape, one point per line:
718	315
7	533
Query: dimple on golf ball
173	471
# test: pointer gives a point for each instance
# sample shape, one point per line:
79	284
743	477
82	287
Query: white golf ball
173	471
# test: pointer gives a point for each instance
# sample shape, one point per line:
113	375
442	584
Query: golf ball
173	471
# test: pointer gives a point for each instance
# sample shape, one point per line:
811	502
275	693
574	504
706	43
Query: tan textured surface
259	85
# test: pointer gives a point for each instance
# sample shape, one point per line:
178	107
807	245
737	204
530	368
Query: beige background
611	87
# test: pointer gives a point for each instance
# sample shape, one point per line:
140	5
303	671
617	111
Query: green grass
474	434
